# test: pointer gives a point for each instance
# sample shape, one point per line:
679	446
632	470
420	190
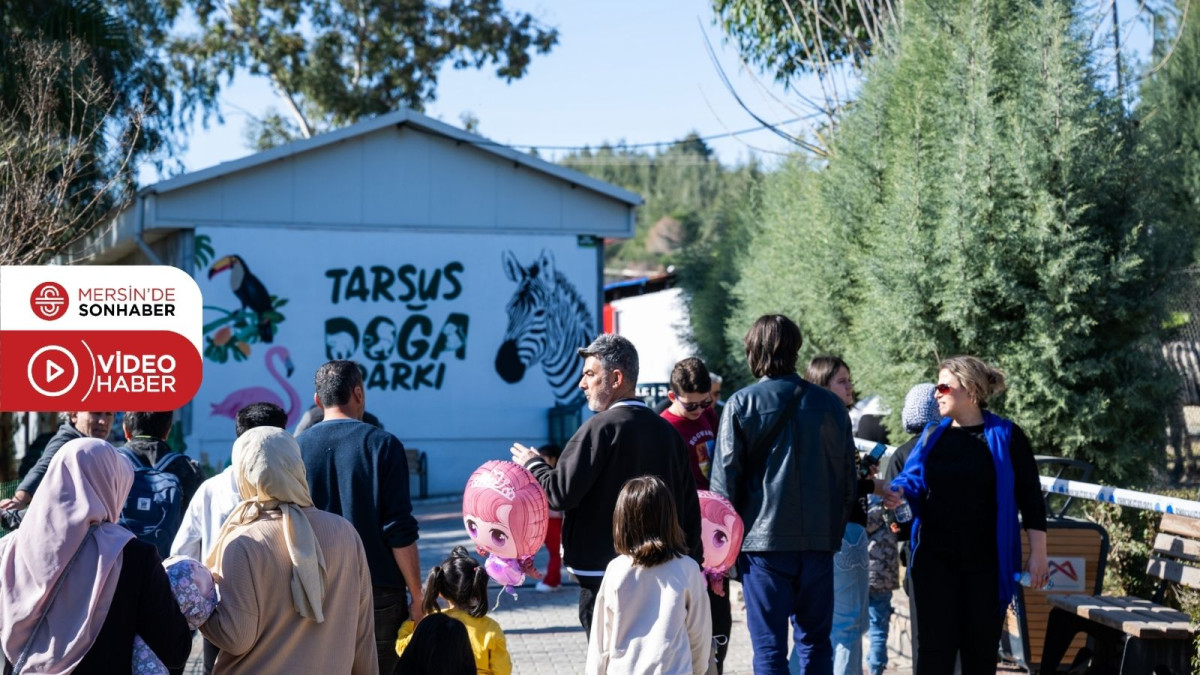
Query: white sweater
210	506
651	619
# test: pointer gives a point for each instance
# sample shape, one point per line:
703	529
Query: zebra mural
548	322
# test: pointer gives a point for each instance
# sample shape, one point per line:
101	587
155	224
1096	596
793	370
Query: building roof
208	196
402	117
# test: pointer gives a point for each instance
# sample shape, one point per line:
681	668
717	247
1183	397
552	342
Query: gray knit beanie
919	408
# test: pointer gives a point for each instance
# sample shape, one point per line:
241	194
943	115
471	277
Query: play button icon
55	363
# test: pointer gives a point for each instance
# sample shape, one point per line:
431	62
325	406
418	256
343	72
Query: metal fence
1185	307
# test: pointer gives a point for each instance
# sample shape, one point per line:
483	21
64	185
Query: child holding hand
462	583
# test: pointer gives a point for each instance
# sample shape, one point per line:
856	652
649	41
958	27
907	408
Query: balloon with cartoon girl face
506	515
721	531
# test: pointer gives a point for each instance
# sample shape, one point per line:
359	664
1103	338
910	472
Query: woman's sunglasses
942	389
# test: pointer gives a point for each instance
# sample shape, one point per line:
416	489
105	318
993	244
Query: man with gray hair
623	440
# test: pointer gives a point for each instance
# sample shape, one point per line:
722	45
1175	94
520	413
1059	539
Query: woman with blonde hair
966	480
295	588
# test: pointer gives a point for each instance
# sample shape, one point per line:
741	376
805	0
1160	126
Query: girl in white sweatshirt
652	610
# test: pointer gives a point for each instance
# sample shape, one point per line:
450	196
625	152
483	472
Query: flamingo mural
241	398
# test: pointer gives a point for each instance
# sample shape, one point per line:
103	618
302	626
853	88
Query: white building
462	274
656	319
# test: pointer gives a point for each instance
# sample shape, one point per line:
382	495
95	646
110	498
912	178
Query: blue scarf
998	433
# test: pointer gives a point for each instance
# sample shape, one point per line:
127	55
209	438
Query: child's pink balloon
506	515
721	530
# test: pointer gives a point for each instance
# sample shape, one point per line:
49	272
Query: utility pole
1116	30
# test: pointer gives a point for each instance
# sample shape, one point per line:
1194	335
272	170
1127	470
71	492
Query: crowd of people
302	555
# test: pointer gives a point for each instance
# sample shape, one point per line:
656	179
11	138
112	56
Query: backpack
154	508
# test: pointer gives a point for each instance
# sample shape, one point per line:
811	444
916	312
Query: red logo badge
49	301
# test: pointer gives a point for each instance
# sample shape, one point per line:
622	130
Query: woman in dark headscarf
75	587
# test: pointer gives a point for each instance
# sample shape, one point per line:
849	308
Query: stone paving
543	631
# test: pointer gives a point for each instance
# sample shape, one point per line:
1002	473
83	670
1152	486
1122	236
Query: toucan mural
249	289
230	334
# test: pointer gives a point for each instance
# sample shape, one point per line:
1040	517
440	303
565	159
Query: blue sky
632	70
624	70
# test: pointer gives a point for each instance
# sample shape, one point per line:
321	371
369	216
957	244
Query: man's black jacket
623	442
796	493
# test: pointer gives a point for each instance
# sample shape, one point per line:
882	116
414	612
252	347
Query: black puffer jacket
797	497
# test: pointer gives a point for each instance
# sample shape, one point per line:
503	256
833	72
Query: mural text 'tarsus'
406	349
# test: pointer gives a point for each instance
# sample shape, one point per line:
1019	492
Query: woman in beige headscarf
295	588
75	587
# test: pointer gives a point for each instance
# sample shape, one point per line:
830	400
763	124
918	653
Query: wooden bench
1142	636
1069	541
418	465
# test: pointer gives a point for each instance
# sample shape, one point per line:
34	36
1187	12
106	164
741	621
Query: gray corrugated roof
397	118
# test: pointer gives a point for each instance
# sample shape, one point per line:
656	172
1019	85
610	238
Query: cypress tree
1169	113
985	197
792	264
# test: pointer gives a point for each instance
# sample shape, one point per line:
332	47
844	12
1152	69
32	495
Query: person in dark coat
624	440
77	425
966	480
792	481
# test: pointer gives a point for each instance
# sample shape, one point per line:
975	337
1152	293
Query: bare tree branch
59	174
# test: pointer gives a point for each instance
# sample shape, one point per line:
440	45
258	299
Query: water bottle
903	512
1026	580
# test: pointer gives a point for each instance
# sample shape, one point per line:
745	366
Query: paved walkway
543	629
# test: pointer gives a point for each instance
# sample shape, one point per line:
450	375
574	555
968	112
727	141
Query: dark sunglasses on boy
693	407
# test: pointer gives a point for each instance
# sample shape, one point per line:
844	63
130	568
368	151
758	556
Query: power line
635	146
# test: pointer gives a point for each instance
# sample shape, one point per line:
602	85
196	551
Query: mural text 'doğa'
548	323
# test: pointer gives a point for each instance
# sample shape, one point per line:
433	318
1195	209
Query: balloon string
500	594
716	578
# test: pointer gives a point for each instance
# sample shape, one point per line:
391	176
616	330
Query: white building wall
462	412
657	324
395	190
